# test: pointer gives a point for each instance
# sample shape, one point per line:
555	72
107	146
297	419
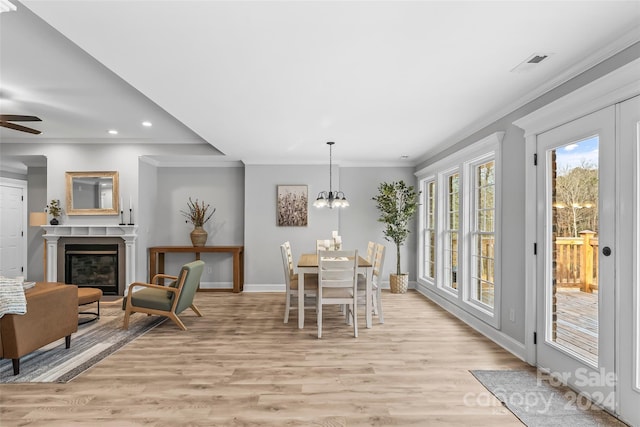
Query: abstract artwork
292	206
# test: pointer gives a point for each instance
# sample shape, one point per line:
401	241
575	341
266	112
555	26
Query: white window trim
422	227
460	161
442	229
490	316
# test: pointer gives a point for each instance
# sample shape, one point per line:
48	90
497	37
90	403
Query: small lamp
37	219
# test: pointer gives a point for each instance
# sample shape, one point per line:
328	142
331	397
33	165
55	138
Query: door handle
606	251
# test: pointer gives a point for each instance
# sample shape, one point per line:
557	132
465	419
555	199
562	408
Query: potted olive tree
397	204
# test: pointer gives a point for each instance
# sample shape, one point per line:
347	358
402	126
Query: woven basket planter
398	283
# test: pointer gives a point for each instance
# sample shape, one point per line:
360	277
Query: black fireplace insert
92	265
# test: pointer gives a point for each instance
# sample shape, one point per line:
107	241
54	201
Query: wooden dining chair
338	284
321	245
376	282
371	250
291	282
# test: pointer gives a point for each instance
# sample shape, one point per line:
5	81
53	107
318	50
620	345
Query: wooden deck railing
577	261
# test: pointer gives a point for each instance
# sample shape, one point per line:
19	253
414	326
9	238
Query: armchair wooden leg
177	321
67	341
16	366
195	309
127	313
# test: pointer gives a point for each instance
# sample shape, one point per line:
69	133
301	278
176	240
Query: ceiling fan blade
18	118
19	127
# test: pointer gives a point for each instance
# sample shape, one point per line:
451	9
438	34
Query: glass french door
628	268
576	255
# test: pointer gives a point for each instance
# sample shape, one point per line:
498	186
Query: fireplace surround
58	237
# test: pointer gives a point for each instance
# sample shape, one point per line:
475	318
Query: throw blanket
12	299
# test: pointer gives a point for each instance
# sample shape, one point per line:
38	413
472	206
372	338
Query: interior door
12	240
628	266
576	255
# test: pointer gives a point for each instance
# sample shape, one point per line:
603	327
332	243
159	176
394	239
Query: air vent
531	62
537	59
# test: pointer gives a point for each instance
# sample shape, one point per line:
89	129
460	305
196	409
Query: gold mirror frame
74	179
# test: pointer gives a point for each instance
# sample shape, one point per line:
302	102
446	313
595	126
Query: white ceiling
272	81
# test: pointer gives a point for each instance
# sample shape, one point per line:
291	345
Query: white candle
334	234
121	205
338	239
130	202
327	244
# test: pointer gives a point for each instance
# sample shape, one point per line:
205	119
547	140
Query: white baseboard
267	287
216	285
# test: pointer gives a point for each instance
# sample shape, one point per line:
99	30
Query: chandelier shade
330	199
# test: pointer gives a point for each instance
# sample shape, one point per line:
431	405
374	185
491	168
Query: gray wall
220	187
123	158
356	224
360	223
146	212
37	201
263	236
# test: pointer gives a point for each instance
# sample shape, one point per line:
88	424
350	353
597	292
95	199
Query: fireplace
92	265
59	236
93	261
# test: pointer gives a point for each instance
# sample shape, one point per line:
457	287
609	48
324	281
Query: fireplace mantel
68	230
53	233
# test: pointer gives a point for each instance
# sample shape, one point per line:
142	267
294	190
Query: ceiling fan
6	119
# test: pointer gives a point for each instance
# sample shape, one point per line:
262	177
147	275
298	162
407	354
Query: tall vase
199	236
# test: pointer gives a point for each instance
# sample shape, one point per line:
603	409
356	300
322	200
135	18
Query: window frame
464	163
430	209
471	231
444	231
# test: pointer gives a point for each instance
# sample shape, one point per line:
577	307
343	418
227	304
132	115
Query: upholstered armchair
163	300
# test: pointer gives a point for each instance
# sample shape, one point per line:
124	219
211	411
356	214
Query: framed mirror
92	193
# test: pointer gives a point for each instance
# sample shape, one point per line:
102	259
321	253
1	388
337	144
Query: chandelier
330	199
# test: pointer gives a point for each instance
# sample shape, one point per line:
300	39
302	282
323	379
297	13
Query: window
451	231
430	230
460	228
483	234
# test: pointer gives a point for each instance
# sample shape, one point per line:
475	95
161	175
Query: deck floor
577	322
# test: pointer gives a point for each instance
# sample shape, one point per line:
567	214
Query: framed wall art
292	206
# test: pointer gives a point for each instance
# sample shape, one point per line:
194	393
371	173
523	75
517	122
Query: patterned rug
537	403
93	342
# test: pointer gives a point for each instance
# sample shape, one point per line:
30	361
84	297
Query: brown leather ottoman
88	296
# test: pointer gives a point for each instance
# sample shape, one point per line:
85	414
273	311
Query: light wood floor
241	366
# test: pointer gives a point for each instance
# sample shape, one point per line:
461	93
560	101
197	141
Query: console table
156	259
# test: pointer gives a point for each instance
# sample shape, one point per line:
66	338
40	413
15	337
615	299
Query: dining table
308	264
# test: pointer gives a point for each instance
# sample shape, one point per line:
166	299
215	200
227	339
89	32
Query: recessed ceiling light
147	124
404	157
113	131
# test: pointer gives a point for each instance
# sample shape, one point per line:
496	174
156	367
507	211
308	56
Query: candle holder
130	216
122	218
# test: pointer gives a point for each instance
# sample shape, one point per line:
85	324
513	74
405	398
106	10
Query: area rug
93	342
537	402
